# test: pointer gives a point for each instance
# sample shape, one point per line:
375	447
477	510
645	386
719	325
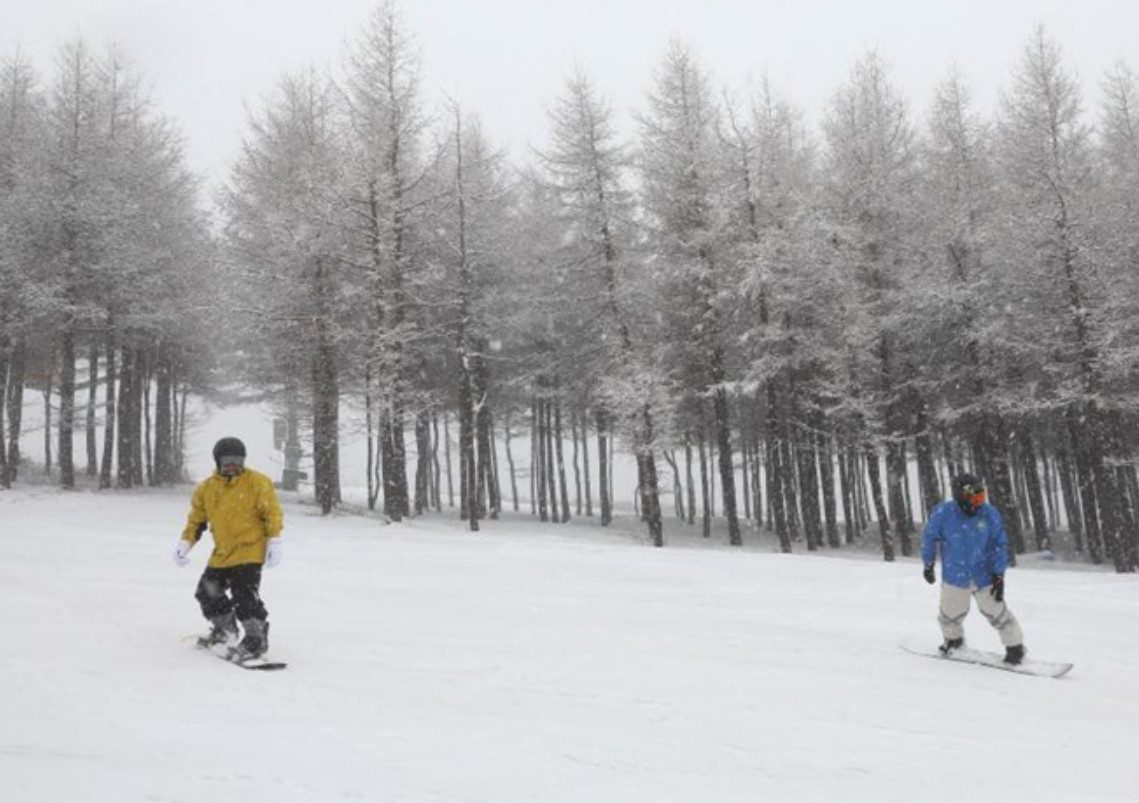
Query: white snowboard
1031	665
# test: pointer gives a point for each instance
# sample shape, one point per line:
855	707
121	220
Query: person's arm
998	543
270	509
930	538
196	520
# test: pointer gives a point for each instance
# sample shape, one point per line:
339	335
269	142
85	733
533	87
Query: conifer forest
795	328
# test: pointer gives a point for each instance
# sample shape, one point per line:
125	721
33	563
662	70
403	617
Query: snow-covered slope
532	663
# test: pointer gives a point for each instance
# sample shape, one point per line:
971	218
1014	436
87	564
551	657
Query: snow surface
534	663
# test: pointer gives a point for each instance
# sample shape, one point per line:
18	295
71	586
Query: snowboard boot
950	645
223	630
256	641
1014	655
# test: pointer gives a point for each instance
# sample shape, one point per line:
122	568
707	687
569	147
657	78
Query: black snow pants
236	588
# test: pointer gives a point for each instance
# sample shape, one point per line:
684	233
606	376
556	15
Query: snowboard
970	655
229	655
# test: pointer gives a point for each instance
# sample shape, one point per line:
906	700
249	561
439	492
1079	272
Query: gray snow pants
955	607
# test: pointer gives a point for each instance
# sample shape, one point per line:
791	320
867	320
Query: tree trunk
809	485
874	469
1070	492
468	503
483	478
603	483
5	478
437	471
774	468
110	416
510	463
371	469
649	489
1006	501
585	463
826	466
688	478
705	490
745	479
180	434
15	403
422	462
326	398
48	386
125	449
895	471
790	494
1048	472
927	470
575	461
67	408
163	420
138	379
447	457
850	523
551	474
494	486
756	484
90	431
538	473
1085	481
1035	497
1108	494
561	461
393	458
677	487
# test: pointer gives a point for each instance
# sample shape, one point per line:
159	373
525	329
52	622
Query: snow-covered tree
584	166
870	179
683	183
287	224
386	126
1049	171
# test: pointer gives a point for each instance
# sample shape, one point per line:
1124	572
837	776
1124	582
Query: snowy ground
532	663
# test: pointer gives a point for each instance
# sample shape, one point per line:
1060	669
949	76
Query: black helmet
228	447
969	493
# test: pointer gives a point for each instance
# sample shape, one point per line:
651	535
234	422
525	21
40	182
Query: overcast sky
506	59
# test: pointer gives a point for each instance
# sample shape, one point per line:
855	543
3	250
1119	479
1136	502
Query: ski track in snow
534	663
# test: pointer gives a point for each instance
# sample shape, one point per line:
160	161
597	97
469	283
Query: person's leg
216	606
245	581
211	593
952	610
1000	617
251	610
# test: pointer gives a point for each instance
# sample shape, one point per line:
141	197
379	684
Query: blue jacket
973	548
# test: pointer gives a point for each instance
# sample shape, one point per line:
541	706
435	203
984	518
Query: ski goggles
231	462
975	495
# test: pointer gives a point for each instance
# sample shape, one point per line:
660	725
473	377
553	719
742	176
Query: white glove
273	552
182	552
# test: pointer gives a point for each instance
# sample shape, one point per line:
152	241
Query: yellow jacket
242	512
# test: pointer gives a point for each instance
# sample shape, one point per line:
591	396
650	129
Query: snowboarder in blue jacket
970	536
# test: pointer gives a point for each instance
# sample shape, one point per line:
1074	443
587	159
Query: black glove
927	573
998	589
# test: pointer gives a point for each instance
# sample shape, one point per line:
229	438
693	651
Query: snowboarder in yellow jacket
240	508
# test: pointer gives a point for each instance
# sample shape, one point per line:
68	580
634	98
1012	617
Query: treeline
812	314
103	271
808	330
